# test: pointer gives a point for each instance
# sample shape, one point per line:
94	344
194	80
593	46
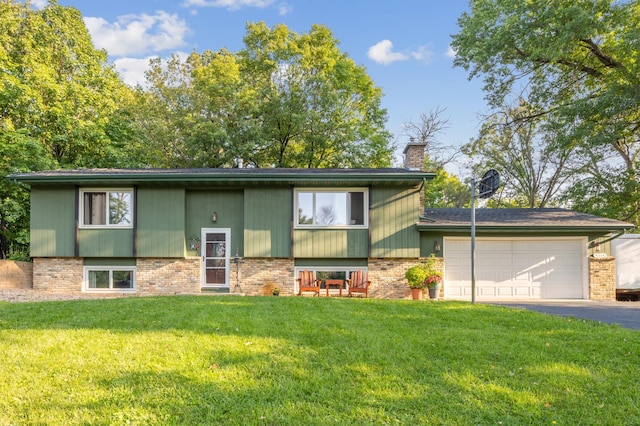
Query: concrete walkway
626	314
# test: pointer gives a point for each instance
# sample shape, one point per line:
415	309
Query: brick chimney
414	154
414	160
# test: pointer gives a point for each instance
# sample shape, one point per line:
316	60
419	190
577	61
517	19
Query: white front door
215	257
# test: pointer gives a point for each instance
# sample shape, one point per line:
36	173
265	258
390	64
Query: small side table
329	283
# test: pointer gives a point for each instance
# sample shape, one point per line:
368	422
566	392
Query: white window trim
81	223
111	269
365	208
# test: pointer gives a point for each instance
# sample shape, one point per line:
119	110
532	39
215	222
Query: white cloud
138	34
423	54
132	70
39	4
383	53
451	53
229	4
284	9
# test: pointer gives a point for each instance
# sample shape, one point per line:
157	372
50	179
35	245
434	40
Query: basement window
105	278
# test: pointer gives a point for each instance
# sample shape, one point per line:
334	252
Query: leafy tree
533	173
56	87
446	190
60	106
575	61
18	154
285	100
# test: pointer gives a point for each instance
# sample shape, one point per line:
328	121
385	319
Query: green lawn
309	361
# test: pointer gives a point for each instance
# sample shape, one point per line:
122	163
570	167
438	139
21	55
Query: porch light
436	246
214	217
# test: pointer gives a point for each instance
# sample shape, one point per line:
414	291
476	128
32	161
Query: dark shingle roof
523	219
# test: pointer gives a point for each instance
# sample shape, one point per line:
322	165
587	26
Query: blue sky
403	44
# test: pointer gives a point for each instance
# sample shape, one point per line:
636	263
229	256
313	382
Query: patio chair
307	282
358	283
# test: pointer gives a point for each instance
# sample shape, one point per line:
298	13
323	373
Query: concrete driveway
626	314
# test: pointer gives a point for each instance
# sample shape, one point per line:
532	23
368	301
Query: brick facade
15	275
58	275
258	276
167	276
387	277
602	278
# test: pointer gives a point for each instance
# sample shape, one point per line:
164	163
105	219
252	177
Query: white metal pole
473	241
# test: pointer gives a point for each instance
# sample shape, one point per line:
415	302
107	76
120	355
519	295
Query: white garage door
524	268
626	250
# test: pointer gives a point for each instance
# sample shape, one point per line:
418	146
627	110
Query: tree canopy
285	100
575	62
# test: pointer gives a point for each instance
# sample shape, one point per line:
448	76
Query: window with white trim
106	208
328	208
109	278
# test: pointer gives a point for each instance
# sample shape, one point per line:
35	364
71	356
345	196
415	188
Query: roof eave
466	229
218	178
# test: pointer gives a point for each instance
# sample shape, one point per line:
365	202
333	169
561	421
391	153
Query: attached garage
521	254
521	268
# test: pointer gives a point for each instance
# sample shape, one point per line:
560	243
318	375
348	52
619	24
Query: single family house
245	231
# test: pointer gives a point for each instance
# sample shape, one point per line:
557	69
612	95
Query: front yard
314	361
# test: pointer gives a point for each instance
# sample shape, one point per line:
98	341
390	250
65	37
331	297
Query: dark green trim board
111	261
76	247
327	263
134	218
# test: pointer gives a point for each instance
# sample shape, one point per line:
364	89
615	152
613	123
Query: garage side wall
602	278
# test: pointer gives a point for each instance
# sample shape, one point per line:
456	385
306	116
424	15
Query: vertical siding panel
52	222
105	242
267	222
394	214
161	222
228	204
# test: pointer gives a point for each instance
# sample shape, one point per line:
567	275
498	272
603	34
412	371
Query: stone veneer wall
58	275
602	278
157	276
15	275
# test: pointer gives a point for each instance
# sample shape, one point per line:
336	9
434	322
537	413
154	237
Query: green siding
160	224
394	213
112	261
427	244
331	262
52	222
105	242
229	205
267	222
318	243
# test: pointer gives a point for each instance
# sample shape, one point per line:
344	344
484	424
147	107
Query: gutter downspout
594	243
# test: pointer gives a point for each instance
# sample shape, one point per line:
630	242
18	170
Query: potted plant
433	279
276	291
416	276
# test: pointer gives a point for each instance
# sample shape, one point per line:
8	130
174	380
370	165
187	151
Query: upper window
331	208
106	208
